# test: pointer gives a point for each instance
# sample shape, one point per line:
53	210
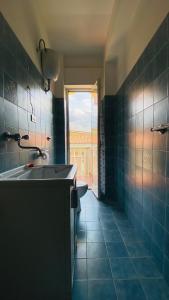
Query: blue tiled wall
17	72
59	129
138	167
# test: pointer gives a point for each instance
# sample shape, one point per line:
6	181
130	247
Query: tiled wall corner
106	127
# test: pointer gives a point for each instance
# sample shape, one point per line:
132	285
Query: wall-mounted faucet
17	137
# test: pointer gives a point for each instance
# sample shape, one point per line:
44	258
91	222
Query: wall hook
162	128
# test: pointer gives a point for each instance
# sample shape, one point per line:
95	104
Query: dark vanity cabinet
37	229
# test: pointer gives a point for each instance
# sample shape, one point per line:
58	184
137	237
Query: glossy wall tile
137	160
21	94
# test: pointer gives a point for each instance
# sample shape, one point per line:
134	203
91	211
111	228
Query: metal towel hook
162	128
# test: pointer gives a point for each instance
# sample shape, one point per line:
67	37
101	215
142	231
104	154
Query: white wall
133	24
25	21
78	70
82	70
81	76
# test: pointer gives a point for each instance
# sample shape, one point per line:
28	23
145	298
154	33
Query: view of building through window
83	136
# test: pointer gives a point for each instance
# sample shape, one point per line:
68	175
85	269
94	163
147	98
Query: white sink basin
40	172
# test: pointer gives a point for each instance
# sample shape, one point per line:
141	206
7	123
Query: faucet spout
17	137
31	147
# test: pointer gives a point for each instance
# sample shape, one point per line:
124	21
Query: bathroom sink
40	172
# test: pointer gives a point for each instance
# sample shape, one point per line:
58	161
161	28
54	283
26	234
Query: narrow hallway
112	260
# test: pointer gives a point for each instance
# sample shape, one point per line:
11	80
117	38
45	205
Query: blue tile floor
112	261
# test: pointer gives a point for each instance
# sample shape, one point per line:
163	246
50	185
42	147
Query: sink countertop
65	173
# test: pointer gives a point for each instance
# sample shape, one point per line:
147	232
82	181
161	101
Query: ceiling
75	26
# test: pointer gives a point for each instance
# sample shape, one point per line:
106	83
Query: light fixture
50	64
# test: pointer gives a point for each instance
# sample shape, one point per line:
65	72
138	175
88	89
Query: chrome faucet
17	137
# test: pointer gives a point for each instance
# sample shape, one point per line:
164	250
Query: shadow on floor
112	260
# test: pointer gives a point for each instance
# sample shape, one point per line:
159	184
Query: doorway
82	126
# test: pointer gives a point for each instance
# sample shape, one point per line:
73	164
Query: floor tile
98	269
92	210
93	225
81	226
80	269
90	202
129	290
155	289
82	216
92	214
146	267
83	205
124	224
96	250
106	210
95	236
103	204
89	198
81	250
112	236
135	277
92	217
131	235
80	290
108	224
119	214
81	236
122	268
137	249
116	249
121	217
105	216
101	290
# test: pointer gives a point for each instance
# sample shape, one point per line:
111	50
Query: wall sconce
50	64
